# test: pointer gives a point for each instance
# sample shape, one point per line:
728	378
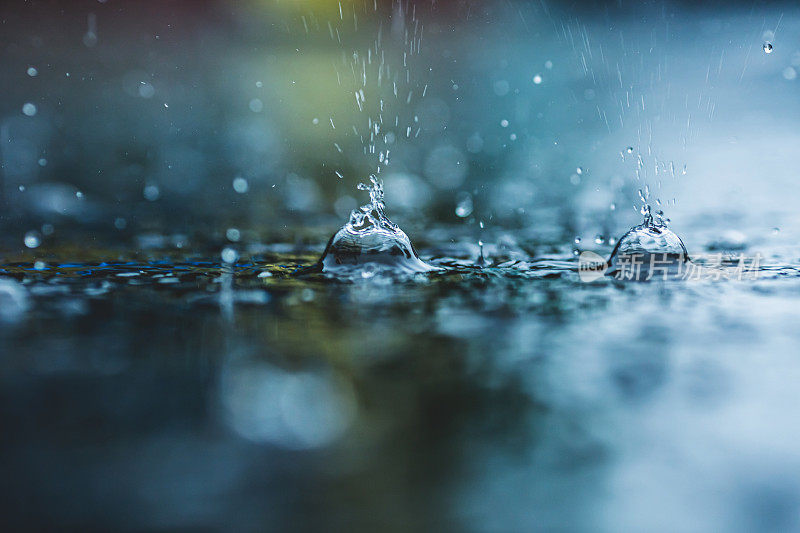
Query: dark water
166	391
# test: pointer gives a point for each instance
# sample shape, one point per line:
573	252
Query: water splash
651	244
370	239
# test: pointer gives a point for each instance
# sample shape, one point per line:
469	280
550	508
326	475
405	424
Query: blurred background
192	117
163	392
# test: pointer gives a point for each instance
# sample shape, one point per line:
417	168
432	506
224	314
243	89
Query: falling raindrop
229	255
33	239
464	205
151	192
240	185
233	234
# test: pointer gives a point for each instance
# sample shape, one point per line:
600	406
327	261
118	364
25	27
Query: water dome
370	239
648	246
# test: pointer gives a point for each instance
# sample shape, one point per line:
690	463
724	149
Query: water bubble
42	162
613	207
33	239
767	47
548	64
256	105
789	73
151	192
776	230
259	84
575	179
240	185
629	149
229	255
464	205
513	136
579	171
577	240
29	109
233	234
504	123
39	265
537	79
599	239
32	72
48	229
21	188
120	223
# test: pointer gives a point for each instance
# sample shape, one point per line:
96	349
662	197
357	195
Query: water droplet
39	265
233	234
48	229
21	188
789	73
577	240
240	185
32	72
33	239
464	205
579	171
629	149
229	255
120	223
151	192
504	123
775	231
537	79
29	109
42	162
599	239
767	47
79	195
548	64
613	207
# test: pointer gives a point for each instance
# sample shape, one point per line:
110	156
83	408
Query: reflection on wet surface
184	391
